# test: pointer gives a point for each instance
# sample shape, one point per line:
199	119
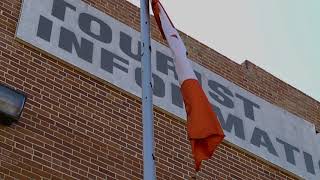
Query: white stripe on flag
181	62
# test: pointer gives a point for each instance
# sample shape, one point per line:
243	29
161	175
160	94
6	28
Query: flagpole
147	110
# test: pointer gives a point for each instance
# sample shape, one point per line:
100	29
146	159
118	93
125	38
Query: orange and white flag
204	129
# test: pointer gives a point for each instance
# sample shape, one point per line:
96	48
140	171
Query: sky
280	36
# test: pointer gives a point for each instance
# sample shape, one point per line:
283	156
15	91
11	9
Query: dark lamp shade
11	104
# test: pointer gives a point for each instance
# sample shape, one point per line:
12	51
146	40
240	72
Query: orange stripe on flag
204	130
155	4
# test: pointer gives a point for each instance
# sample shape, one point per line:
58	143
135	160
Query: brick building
77	62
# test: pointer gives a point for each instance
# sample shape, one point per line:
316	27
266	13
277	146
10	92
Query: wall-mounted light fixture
11	104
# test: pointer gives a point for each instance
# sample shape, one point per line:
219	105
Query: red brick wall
76	126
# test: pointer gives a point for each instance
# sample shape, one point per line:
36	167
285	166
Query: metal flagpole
147	110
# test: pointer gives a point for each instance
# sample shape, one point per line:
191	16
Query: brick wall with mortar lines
76	126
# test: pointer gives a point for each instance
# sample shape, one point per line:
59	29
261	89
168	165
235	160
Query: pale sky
280	36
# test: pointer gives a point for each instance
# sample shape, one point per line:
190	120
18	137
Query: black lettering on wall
248	106
59	9
220	94
261	138
68	41
158	84
85	24
176	96
44	28
163	66
232	122
108	61
309	162
199	76
289	150
126	46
